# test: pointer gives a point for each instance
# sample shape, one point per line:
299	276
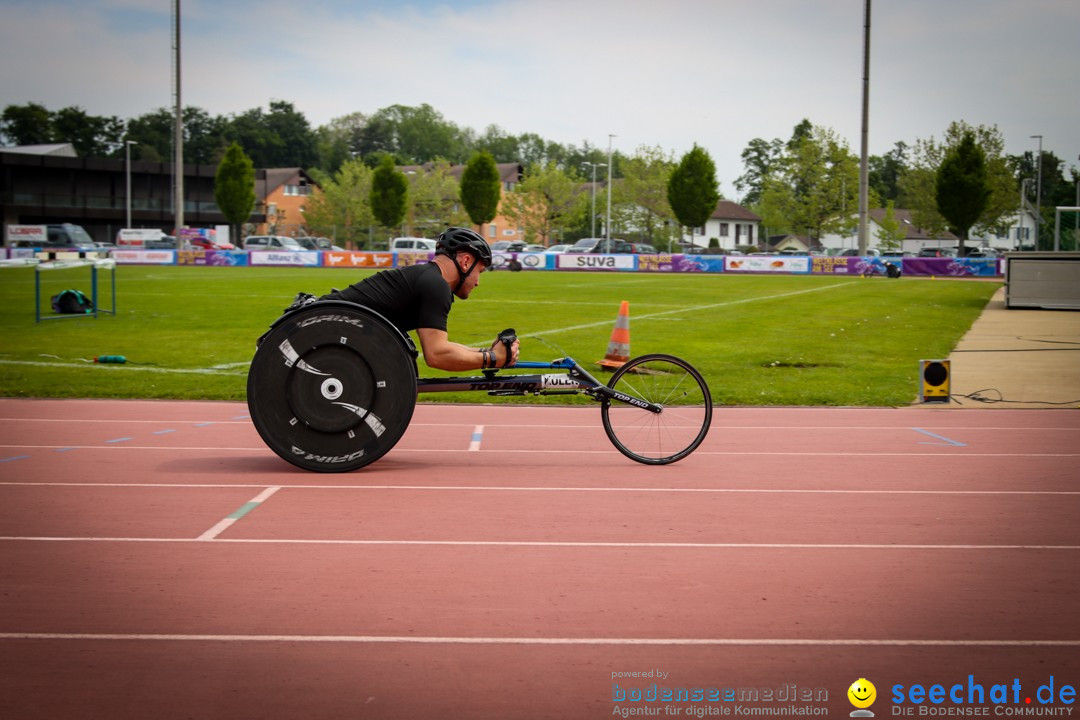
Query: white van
413	244
137	239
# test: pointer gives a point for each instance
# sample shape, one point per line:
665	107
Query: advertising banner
218	258
351	259
144	257
190	257
536	261
405	258
698	263
767	263
580	261
953	267
529	261
833	265
658	263
306	258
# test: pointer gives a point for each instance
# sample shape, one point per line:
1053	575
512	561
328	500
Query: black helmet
454	240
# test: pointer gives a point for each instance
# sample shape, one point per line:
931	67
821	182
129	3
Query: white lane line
548	544
96	421
553	451
596	426
243	510
694	309
122	368
451	640
535	488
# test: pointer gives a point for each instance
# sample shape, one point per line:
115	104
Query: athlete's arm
442	354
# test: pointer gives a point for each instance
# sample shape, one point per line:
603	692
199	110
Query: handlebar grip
507	338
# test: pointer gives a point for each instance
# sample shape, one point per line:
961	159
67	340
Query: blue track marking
13	458
163	432
944	440
118	440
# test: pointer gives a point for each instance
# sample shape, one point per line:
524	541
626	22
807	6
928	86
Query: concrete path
1027	358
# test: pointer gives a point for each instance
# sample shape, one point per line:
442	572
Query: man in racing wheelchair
418	297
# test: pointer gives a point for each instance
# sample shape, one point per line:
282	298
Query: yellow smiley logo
862	693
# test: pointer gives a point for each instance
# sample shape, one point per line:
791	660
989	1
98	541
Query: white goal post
1075	230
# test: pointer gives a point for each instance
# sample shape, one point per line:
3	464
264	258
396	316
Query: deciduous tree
961	187
481	188
692	189
389	193
341	207
234	187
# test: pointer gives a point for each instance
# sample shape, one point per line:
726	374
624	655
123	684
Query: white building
1021	231
731	224
915	237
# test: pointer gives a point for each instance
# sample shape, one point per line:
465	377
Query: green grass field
784	340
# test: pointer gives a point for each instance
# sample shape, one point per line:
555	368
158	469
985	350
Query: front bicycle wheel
658	438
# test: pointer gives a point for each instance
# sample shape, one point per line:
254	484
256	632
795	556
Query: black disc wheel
658	438
331	388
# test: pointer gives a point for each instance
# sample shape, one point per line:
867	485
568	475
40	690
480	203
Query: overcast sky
667	73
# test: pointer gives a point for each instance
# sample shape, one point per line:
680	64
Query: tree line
806	184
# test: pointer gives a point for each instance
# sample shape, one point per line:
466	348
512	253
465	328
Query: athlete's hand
499	348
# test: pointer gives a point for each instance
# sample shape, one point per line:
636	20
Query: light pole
592	230
127	173
1038	191
864	172
1023	212
607	223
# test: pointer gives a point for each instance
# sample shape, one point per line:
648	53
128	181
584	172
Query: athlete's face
473	268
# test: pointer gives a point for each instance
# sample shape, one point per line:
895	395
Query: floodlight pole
127	173
864	170
592	231
178	125
607	222
1038	191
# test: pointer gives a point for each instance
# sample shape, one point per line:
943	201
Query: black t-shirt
411	297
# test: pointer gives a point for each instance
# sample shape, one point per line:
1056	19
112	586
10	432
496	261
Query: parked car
601	246
272	242
642	249
165	242
931	252
317	243
412	243
58	235
507	246
897	254
534	248
585	245
853	252
208	244
983	252
557	249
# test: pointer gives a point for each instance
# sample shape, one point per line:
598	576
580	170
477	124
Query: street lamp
607	223
127	172
592	231
1038	191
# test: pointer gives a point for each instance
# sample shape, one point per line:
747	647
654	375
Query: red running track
158	561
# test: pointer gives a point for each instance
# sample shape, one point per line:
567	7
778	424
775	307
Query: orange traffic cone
618	350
